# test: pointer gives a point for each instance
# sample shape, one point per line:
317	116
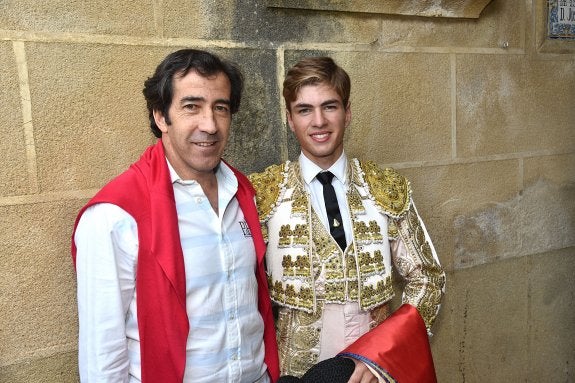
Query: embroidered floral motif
391	191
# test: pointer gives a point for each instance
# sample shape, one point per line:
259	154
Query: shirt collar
309	169
223	173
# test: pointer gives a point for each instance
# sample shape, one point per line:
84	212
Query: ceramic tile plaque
561	19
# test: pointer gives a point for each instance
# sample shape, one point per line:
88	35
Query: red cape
398	349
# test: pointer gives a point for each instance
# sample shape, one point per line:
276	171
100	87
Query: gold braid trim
391	190
269	185
424	275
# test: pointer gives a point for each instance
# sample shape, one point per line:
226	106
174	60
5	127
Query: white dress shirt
342	324
225	342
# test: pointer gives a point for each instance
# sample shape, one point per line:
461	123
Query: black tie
332	208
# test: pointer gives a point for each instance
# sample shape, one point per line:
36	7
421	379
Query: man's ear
160	120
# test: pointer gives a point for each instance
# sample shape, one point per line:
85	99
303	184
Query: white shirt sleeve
107	246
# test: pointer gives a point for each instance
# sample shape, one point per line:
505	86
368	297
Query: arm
415	258
107	244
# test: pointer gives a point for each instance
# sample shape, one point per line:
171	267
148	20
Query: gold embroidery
427	279
299	204
298	268
391	229
369	263
285	235
367	233
355	203
371	295
301	234
298	335
391	190
268	185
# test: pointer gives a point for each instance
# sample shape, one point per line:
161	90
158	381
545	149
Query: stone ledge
445	8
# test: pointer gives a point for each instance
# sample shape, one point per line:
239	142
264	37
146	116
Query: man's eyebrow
327	102
199	98
302	105
191	99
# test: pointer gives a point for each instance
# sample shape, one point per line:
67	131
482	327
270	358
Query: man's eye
222	108
190	107
304	111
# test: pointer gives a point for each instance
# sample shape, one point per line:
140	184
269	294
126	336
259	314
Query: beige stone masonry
133	18
446	194
512	114
402	98
36	281
103	78
13	171
558	169
496	315
445	8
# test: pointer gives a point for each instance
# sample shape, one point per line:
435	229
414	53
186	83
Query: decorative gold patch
268	185
355	203
391	190
298	335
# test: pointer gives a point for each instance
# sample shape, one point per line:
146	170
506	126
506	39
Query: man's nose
318	118
208	122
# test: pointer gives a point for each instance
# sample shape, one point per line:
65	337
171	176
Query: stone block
504	104
501	24
37	283
463	207
89	114
558	169
58	368
447	8
251	21
482	332
546	212
13	171
551	290
133	18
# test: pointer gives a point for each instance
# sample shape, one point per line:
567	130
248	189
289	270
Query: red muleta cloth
398	348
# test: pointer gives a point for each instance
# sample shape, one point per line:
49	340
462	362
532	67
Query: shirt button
198	199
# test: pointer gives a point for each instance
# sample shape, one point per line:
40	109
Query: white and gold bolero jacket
305	265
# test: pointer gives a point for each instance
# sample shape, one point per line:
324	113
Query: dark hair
159	89
313	71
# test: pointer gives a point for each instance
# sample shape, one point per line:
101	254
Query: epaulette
391	190
268	185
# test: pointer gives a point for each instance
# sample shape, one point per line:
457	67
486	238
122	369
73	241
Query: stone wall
477	112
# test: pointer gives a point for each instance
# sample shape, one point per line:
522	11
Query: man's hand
362	374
